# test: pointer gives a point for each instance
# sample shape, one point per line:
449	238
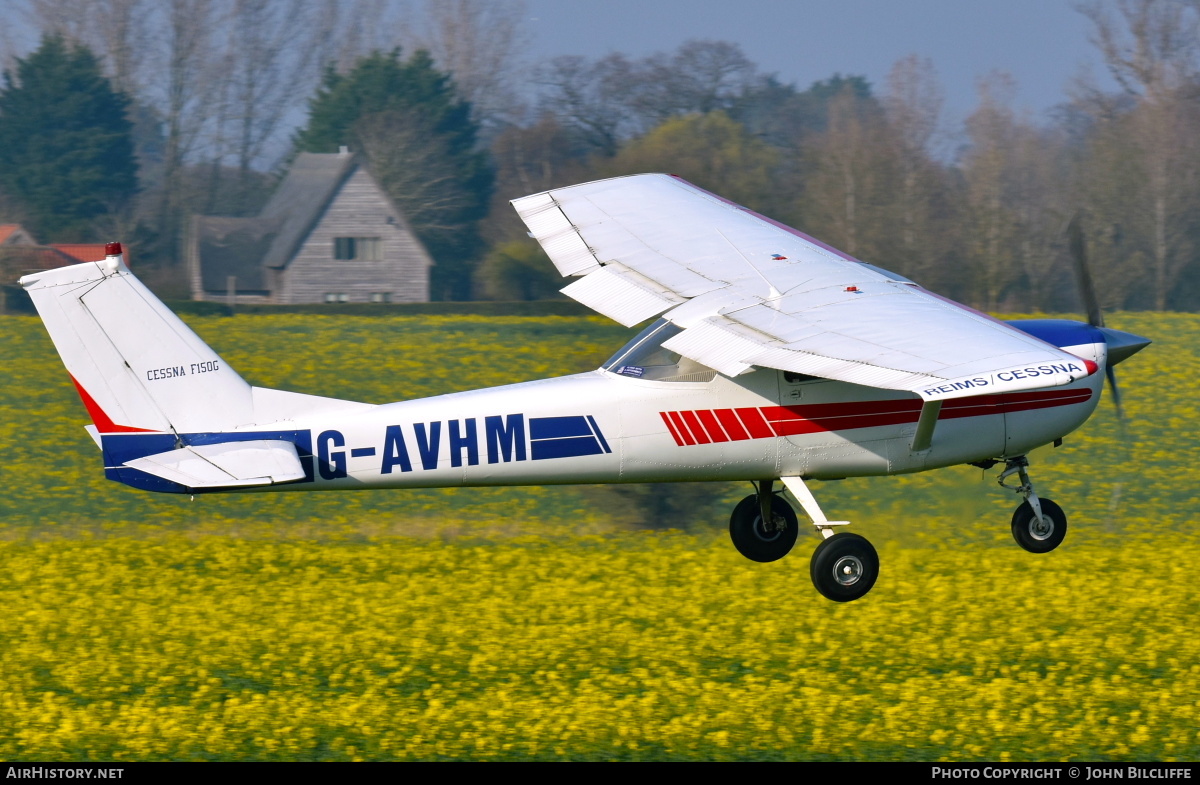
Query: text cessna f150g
774	358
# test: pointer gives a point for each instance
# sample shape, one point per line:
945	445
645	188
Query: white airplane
774	358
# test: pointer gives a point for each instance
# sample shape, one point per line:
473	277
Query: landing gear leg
1038	525
763	526
844	566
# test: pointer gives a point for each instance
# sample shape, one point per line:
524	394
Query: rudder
137	366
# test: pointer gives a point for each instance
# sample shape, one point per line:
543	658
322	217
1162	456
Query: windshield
645	358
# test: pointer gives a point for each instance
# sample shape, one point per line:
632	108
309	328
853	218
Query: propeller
1091	303
1120	344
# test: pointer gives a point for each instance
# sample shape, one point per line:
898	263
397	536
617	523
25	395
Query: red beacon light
112	249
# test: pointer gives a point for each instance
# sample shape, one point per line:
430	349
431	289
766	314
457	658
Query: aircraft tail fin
136	365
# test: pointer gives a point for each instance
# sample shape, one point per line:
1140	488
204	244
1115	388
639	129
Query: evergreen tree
420	142
66	144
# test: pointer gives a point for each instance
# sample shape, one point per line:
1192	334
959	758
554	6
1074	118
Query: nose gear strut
1038	525
1018	466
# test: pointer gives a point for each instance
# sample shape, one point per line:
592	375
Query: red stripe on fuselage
755	424
99	418
711	426
693	425
681	428
768	421
732	425
671	427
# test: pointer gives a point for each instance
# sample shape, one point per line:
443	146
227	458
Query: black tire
755	541
844	567
1038	537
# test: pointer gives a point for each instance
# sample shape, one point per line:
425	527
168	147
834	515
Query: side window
344	249
645	358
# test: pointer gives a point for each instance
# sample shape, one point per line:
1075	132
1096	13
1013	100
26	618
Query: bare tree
412	165
266	70
700	76
1038	188
913	106
346	30
613	99
183	85
479	43
593	99
847	177
1151	46
529	159
991	222
1152	49
114	30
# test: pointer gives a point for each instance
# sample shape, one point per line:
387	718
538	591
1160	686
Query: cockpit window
645	358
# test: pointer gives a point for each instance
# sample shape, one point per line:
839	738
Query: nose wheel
1038	525
1039	535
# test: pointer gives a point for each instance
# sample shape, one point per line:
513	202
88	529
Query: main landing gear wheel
844	567
759	542
1039	536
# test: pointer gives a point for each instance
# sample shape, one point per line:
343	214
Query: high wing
749	291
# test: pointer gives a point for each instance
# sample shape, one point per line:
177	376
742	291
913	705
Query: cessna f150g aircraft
774	358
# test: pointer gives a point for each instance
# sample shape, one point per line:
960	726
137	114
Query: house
14	234
329	234
85	252
19	248
21	254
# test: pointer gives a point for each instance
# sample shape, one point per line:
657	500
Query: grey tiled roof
244	247
233	246
300	199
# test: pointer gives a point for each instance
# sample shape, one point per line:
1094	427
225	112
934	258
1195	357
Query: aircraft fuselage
603	427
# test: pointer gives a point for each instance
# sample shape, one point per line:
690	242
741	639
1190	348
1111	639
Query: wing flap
622	295
225	465
719	346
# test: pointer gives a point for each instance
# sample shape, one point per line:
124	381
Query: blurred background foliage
216	98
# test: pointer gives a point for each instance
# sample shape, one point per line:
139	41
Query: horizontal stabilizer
225	465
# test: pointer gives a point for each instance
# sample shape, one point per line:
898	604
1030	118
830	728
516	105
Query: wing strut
925	425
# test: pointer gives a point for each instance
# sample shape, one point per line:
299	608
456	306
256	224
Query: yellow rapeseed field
525	623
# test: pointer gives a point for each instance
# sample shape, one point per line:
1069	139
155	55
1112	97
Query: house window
337	297
381	297
369	249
